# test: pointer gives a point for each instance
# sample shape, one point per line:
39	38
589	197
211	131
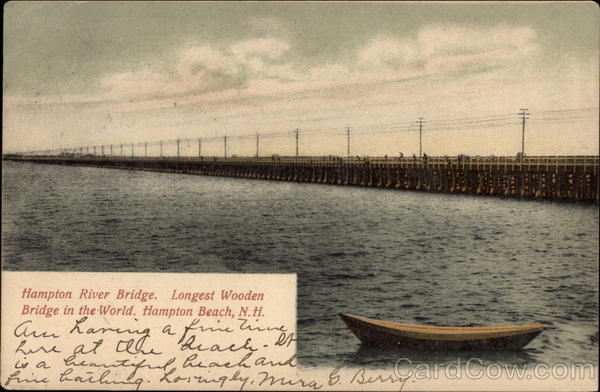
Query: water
405	256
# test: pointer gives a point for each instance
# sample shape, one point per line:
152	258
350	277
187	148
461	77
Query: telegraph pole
121	150
145	149
257	141
348	136
160	148
102	150
524	113
111	150
199	148
225	146
420	122
94	151
177	148
132	150
297	132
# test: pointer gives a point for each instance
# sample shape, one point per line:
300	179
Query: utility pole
111	150
348	135
524	113
132	150
225	146
257	140
420	122
145	149
102	150
177	148
94	151
160	148
80	150
199	148
297	132
121	150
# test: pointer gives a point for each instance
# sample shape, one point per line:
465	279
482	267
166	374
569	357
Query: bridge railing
435	161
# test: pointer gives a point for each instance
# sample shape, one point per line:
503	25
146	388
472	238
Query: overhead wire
435	124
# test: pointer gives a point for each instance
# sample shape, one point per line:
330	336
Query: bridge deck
571	178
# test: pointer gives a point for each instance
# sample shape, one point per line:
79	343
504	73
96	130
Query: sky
100	73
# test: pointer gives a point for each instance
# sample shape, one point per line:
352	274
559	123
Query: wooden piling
552	178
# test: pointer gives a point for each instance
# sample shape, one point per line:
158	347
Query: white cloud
453	39
444	48
386	51
194	59
205	66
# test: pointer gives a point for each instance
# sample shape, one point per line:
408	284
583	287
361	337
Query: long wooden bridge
569	178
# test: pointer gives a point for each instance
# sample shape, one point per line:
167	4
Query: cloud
263	66
453	39
247	55
444	48
199	58
207	67
386	51
202	69
449	48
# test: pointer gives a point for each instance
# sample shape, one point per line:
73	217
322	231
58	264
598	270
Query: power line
570	110
496	125
563	118
438	125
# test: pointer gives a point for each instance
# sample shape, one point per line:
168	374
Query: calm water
404	256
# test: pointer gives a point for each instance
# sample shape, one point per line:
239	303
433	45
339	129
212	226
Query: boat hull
386	334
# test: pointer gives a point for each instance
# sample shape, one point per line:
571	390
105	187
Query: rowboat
425	337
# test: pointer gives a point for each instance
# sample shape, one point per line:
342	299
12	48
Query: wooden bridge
570	178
